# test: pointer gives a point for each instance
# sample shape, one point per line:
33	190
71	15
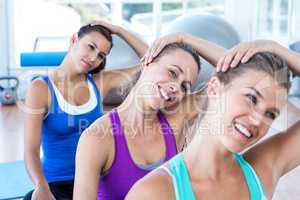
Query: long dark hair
103	31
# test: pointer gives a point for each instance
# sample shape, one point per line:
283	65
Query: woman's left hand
113	28
242	53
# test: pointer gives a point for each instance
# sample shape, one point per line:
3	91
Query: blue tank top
60	135
183	188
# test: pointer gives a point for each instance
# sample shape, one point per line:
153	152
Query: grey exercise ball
209	27
121	55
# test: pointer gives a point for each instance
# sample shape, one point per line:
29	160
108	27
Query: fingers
152	52
220	63
227	61
158	50
248	55
237	58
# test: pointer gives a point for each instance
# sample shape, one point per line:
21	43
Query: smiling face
166	81
251	103
89	51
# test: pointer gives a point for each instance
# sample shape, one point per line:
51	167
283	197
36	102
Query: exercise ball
209	27
121	55
295	87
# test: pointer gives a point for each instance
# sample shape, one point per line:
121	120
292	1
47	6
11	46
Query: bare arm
288	149
208	50
244	51
114	81
292	58
138	45
156	185
276	156
35	107
91	158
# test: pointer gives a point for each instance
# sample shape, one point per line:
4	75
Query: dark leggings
62	190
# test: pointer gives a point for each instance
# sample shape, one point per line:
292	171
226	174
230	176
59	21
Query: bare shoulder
38	94
97	143
156	185
99	132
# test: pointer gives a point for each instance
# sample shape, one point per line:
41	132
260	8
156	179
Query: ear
73	39
213	87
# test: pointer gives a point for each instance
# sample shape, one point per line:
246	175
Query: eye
172	73
184	88
270	115
91	47
252	98
101	56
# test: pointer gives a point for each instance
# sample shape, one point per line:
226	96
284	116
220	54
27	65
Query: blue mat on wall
14	181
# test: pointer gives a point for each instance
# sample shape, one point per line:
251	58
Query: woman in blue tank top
64	103
241	105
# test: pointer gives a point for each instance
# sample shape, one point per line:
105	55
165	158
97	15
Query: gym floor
12	136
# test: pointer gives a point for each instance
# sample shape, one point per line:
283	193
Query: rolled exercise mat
30	59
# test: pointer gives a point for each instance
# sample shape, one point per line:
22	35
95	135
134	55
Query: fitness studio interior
37	35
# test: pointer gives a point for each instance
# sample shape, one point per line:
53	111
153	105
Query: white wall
241	15
3	38
6	36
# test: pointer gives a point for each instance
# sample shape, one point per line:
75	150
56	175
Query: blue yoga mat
14	181
40	59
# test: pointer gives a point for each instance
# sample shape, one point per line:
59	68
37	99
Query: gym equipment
121	55
14	181
8	92
40	59
295	87
209	27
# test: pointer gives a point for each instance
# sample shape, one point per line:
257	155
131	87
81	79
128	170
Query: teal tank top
183	188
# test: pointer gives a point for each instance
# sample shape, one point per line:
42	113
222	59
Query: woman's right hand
42	193
242	52
159	44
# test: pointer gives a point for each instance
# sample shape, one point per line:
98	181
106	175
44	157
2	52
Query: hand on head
158	45
242	52
112	28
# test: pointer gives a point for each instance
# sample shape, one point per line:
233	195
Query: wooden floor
12	136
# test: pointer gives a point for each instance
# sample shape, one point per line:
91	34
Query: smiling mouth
164	95
242	130
86	63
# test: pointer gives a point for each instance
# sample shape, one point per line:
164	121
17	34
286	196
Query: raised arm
292	58
208	50
35	108
138	45
244	51
115	82
276	156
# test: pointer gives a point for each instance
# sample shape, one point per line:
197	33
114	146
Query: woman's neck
206	156
67	71
137	115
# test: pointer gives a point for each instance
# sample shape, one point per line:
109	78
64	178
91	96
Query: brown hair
266	62
174	46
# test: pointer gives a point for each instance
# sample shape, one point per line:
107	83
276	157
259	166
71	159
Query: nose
256	117
172	88
93	57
